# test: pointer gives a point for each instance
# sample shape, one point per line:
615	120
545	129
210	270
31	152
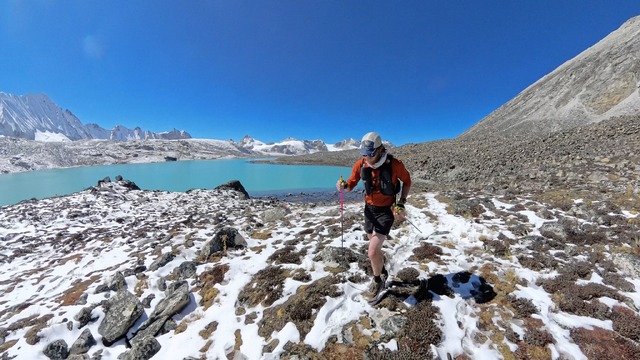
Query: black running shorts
378	218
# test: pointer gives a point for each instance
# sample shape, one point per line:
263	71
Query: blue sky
414	71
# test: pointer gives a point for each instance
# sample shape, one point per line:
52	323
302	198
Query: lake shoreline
287	183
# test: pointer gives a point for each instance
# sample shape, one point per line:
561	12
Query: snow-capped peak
37	117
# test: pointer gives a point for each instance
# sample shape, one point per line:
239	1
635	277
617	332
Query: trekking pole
344	258
409	221
413	225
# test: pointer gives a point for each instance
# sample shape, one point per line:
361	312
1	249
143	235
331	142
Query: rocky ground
115	272
599	157
25	155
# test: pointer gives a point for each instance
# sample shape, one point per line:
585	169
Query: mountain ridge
38	119
29	116
601	82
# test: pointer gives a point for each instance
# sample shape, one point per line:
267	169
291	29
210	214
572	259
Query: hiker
381	174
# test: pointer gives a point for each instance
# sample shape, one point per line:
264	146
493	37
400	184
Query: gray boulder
117	282
186	270
80	357
84	342
234	185
142	350
175	286
122	311
227	238
57	350
166	308
553	230
162	261
338	256
83	317
275	214
628	263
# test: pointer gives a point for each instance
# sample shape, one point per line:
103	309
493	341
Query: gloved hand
341	184
399	213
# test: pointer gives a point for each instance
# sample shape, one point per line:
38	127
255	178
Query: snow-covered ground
56	251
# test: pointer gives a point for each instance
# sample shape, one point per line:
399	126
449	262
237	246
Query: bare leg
375	252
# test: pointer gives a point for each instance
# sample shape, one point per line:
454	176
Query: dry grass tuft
207	280
208	330
265	287
601	344
71	296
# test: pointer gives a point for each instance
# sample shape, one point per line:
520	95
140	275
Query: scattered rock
122	311
628	263
234	185
84	342
224	240
57	350
143	349
166	308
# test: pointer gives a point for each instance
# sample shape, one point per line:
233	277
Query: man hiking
384	177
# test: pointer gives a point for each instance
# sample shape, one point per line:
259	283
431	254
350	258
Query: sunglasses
367	149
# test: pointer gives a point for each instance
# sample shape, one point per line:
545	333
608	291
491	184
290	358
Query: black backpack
385	184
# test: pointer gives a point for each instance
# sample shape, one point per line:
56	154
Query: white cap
370	143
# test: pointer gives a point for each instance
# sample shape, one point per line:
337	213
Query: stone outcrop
122	311
166	308
234	185
225	239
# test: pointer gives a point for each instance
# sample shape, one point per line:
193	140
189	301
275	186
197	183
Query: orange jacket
376	198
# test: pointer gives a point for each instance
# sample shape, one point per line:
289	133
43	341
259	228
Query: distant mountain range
37	117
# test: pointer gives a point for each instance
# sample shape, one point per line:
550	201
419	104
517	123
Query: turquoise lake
259	179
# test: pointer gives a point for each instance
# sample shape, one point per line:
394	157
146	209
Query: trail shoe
374	290
384	275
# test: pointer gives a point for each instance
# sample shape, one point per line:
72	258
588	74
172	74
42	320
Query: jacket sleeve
353	180
402	173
